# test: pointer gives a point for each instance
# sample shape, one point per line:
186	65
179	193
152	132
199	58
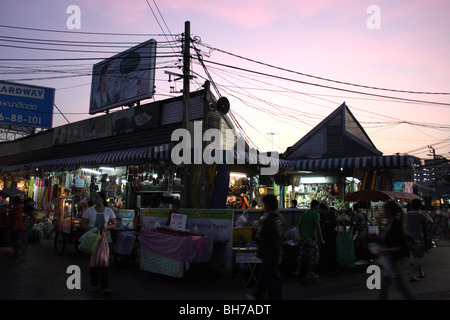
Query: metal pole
184	201
186	72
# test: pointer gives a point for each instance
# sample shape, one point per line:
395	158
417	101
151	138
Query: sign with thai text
26	105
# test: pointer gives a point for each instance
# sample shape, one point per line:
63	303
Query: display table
171	250
159	264
248	256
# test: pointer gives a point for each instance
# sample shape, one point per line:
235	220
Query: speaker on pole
223	105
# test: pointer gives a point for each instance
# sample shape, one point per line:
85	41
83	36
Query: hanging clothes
44	191
409	185
31	188
398	186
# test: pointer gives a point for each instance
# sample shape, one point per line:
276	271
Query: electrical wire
85	32
326	87
322	78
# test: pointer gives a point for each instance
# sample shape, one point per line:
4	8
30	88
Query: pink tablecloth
193	249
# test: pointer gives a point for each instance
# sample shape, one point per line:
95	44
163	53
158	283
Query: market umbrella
11	192
380	195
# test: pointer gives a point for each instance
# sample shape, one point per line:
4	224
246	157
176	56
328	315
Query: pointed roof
337	136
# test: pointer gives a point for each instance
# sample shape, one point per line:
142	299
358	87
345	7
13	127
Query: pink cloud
248	14
252	14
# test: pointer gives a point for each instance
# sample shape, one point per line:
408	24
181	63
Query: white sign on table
178	221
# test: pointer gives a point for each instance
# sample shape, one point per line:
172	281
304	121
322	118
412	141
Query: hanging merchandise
386	181
371	180
409	185
364	180
31	187
50	191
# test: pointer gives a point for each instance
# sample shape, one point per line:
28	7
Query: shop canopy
11	192
395	161
112	158
380	195
134	156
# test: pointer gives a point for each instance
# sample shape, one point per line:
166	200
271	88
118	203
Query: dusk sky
331	51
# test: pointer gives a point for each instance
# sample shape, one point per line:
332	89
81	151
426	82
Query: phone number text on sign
20	119
26	105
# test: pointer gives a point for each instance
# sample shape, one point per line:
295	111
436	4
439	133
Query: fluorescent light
238	175
106	168
351	179
313	180
91	171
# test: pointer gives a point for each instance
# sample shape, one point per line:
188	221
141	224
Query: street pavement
40	274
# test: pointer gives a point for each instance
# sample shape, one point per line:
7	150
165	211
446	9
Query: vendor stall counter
169	252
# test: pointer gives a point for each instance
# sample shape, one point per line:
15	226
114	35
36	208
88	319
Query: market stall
347	240
194	236
374	196
168	251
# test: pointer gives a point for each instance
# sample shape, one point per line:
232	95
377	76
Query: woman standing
103	218
396	252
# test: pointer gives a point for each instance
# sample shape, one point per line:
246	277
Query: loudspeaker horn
223	105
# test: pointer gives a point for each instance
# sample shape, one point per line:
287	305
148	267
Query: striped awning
118	157
395	161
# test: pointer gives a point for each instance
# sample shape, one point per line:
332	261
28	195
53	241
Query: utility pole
186	72
434	165
184	201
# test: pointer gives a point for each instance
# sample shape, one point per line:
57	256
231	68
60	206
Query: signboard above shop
123	79
26	105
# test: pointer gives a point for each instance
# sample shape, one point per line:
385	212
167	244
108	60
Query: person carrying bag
100	258
89	241
103	218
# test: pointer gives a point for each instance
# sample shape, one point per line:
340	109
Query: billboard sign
26	105
124	78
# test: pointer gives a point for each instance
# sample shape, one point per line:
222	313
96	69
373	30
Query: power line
282	109
157	21
85	32
325	79
71	43
61	113
324	86
170	55
396	122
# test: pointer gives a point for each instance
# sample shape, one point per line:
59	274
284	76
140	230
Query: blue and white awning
119	157
395	161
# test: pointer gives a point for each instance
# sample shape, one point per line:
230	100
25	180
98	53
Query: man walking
310	231
415	222
270	250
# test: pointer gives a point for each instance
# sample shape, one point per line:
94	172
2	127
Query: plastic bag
101	257
89	241
293	234
242	220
